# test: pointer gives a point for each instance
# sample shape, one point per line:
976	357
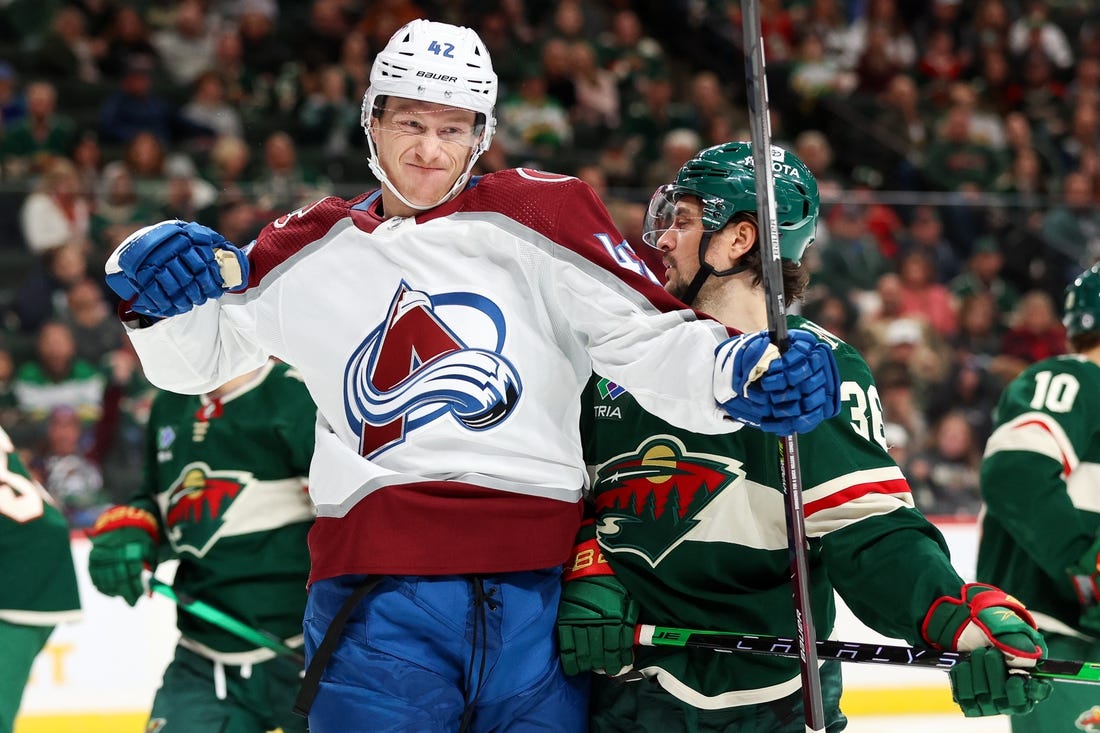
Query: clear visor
669	210
451	125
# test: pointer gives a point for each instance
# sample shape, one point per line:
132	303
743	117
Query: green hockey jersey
39	586
1040	482
226	480
695	527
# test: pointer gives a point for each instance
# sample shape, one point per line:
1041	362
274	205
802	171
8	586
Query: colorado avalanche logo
415	368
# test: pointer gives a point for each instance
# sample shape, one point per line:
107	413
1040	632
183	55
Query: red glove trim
928	618
118	517
988	596
587	560
975	598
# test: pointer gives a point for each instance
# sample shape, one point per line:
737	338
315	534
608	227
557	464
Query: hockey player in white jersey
446	326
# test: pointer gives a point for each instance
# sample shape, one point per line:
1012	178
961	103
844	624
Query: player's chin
429	187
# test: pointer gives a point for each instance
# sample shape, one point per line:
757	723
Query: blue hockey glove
1001	636
596	616
783	394
123	544
169	268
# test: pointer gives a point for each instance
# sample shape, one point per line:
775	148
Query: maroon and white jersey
447	354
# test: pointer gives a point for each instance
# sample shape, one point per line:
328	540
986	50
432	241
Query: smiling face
423	148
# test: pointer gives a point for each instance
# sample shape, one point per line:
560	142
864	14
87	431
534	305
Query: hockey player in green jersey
1040	482
689	529
37	578
225	493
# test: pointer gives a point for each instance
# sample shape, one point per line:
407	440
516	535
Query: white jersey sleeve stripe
1035	432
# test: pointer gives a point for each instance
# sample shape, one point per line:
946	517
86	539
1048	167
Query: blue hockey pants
473	653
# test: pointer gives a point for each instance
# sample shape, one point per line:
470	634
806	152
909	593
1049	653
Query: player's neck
735	302
393	206
1092	354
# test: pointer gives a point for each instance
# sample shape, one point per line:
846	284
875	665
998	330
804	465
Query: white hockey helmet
433	62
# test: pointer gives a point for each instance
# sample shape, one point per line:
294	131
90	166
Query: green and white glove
1085	576
124	542
596	617
1003	643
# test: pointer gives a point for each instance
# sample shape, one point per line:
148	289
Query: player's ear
741	236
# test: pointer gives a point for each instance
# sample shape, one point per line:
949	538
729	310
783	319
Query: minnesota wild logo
649	500
197	502
1089	720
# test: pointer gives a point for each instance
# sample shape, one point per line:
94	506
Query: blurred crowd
956	142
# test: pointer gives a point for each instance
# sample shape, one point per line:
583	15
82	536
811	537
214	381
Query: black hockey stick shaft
848	651
772	274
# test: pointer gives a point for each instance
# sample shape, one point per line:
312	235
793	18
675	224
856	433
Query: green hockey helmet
722	177
1082	313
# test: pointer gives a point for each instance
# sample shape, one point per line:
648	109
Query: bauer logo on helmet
438	77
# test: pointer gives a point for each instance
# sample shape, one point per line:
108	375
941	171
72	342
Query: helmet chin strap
381	174
706	270
376	169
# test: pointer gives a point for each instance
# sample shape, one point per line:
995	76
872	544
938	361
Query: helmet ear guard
1082	305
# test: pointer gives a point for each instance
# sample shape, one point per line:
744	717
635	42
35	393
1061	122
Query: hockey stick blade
1087	673
224	621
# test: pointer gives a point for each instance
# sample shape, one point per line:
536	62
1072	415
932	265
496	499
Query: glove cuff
950	618
1088	593
132	318
587	559
125	516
